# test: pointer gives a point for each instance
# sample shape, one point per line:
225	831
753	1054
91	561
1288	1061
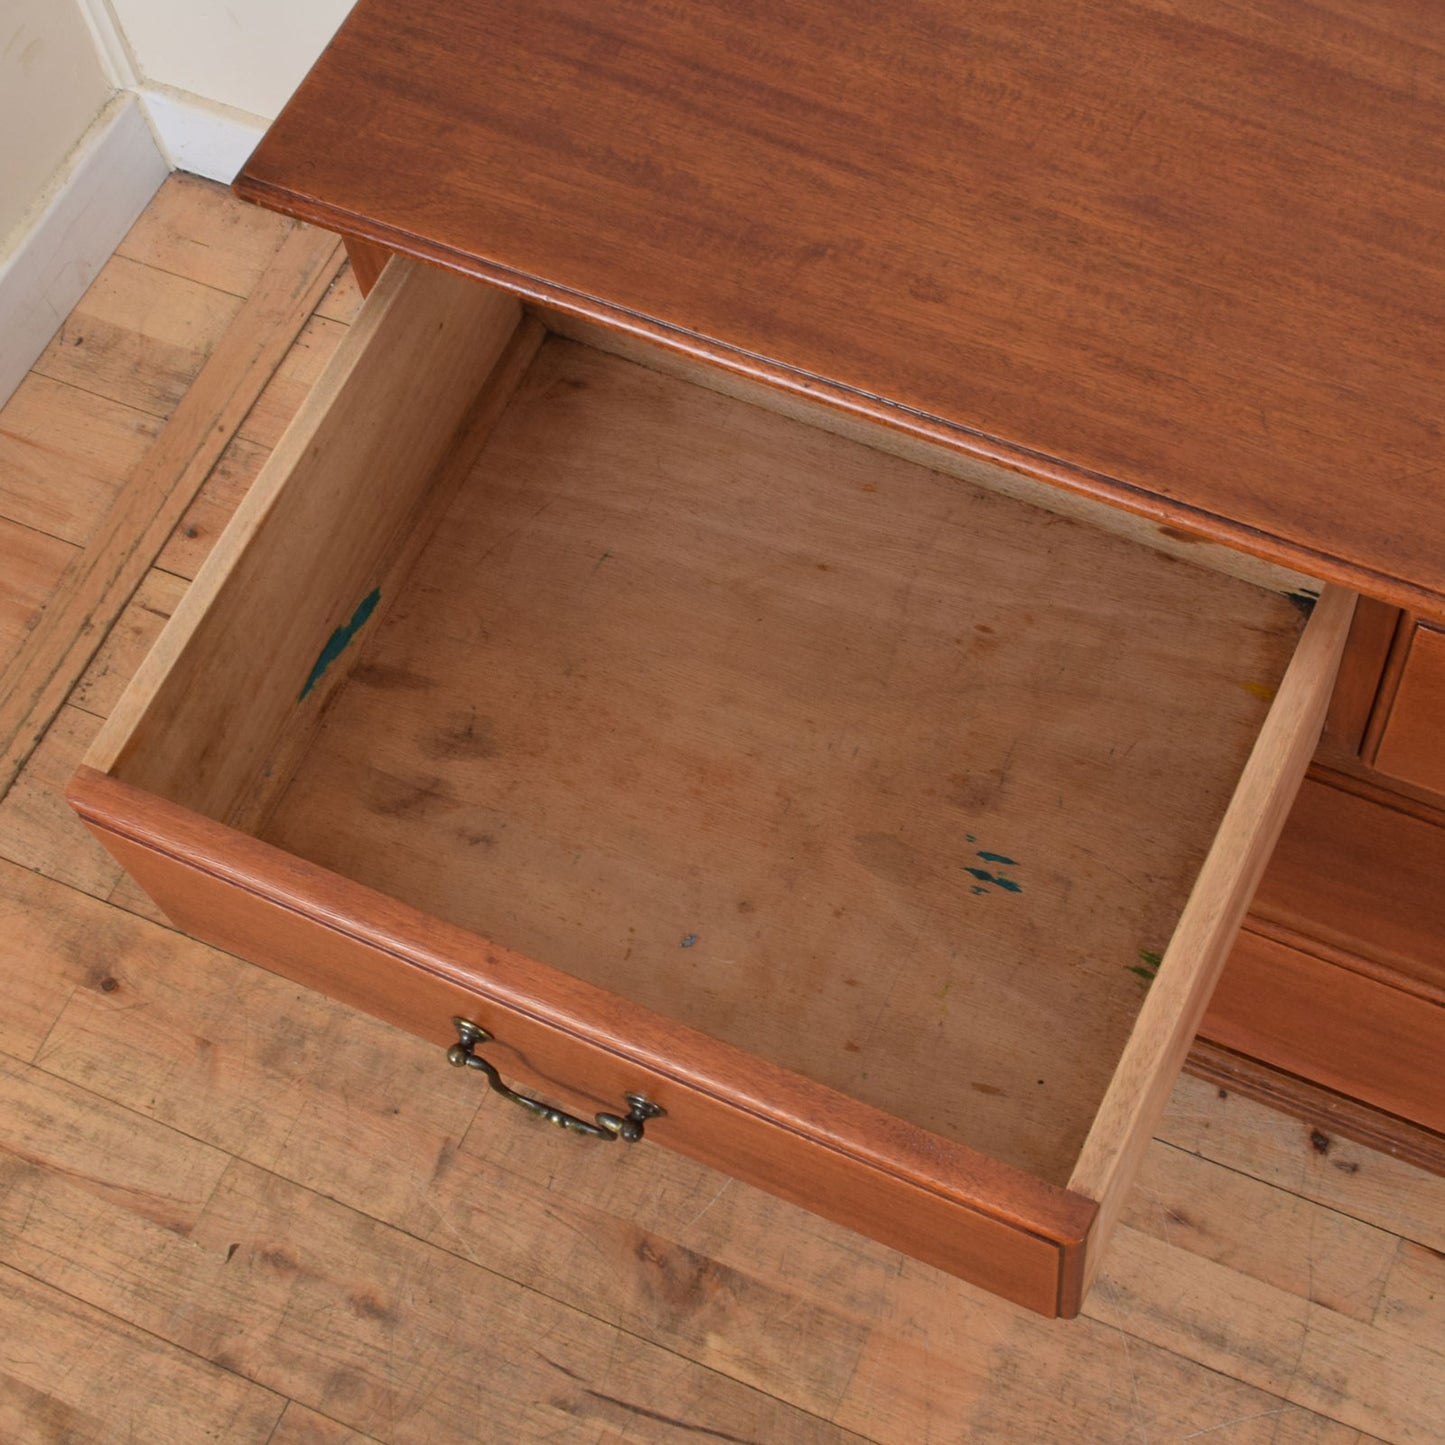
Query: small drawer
1411	741
885	831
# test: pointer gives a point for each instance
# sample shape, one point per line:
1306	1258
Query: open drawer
841	808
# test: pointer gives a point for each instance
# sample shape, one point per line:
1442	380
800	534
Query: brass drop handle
628	1127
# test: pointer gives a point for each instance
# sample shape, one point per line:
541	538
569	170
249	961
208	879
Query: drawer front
1338	978
1411	743
582	1050
1324	1022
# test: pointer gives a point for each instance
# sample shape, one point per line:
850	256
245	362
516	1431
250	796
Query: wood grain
1297	1351
35	830
97	587
43	921
1178	996
676	523
1358	686
1298	1156
1414	1295
1356	878
370	437
300	1426
367	262
212	508
1286	1241
1411	744
949	1369
935	455
292	381
343	300
35	564
64	454
1336	1027
510	354
584	1049
105	1150
665	1249
306	1299
646	1240
160	1053
131	636
194	229
131	1381
748	752
391	1151
1208	294
1327	1113
139	337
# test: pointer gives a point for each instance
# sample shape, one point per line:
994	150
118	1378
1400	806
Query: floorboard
130	328
64	454
71	1372
232	1210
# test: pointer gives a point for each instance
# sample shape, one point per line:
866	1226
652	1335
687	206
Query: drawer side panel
1197	952
302	566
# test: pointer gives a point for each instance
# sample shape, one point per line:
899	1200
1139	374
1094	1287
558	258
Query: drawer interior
888	779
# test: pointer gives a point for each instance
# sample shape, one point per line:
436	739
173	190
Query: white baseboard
201	136
118	166
197	135
105	185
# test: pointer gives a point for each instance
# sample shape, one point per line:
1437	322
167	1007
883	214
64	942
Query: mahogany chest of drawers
798	613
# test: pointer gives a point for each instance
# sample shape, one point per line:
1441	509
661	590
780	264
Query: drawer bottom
885	830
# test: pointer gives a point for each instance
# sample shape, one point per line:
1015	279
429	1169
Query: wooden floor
231	1210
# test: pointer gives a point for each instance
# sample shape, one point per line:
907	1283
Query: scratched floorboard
258	1217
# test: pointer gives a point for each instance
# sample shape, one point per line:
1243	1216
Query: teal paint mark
997	858
336	644
984	876
970	838
1147	967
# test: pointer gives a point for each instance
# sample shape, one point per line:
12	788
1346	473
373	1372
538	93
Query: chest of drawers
797	614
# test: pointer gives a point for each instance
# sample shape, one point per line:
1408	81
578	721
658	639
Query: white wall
248	55
52	86
212	74
78	162
98	98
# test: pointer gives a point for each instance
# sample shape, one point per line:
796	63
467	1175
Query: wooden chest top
1189	259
